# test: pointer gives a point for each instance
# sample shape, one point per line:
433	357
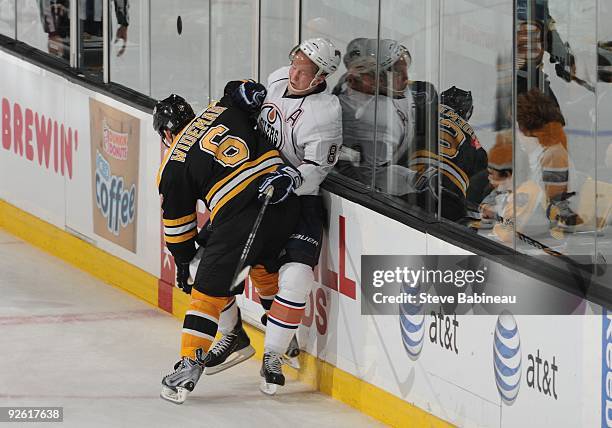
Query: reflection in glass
45	25
129	60
90	41
339	21
352	20
556	125
278	28
417	32
373	98
7	18
475	151
601	186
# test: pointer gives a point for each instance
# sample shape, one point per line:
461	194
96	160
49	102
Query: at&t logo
412	323
507	357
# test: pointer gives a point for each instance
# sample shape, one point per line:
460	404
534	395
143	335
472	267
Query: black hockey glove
284	181
182	277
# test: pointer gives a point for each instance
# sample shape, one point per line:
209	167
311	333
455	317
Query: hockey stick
242	271
589	267
584	84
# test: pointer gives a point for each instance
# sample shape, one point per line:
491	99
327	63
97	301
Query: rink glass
7	18
491	48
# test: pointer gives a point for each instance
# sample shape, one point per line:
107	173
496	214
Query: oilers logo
271	124
507	357
412	324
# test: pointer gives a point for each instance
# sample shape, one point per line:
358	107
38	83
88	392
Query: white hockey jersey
307	130
393	123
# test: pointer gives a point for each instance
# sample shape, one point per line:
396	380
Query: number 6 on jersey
230	151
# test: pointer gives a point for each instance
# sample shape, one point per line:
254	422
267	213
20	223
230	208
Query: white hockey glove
284	181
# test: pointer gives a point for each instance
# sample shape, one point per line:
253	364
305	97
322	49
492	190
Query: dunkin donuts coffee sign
115	141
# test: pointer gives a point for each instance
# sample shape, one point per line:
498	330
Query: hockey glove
284	181
182	277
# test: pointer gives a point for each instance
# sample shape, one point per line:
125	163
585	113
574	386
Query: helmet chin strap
311	85
294	91
165	141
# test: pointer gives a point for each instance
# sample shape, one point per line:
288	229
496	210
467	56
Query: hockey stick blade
241	267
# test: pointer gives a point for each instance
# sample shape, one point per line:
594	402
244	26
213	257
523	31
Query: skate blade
268	388
177	397
236	358
292	362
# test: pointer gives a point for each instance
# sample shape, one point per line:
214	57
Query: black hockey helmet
459	100
172	113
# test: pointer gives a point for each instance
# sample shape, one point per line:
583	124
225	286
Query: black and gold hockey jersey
218	159
457	155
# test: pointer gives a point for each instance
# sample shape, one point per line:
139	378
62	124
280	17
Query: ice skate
293	350
271	373
562	217
177	385
291	355
233	348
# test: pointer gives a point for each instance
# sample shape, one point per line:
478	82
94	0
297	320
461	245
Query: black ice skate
561	215
177	385
271	373
291	355
293	350
233	348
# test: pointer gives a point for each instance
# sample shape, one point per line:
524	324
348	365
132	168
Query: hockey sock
286	313
200	323
229	317
266	285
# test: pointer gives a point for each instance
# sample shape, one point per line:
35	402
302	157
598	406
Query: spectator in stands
542	137
523	209
499	184
55	18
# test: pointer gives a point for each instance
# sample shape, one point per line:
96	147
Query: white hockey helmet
361	54
320	51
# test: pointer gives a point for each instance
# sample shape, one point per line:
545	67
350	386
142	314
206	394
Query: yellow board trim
317	373
79	253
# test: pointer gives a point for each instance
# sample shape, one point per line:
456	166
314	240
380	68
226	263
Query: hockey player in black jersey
216	157
455	158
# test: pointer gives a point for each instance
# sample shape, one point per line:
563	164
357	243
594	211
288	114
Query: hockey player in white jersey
392	121
303	120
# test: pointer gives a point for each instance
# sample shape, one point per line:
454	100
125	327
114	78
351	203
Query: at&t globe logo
507	357
412	323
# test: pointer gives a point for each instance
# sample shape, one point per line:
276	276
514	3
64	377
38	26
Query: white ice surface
67	339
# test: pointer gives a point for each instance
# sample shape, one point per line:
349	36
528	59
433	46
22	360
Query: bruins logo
271	125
